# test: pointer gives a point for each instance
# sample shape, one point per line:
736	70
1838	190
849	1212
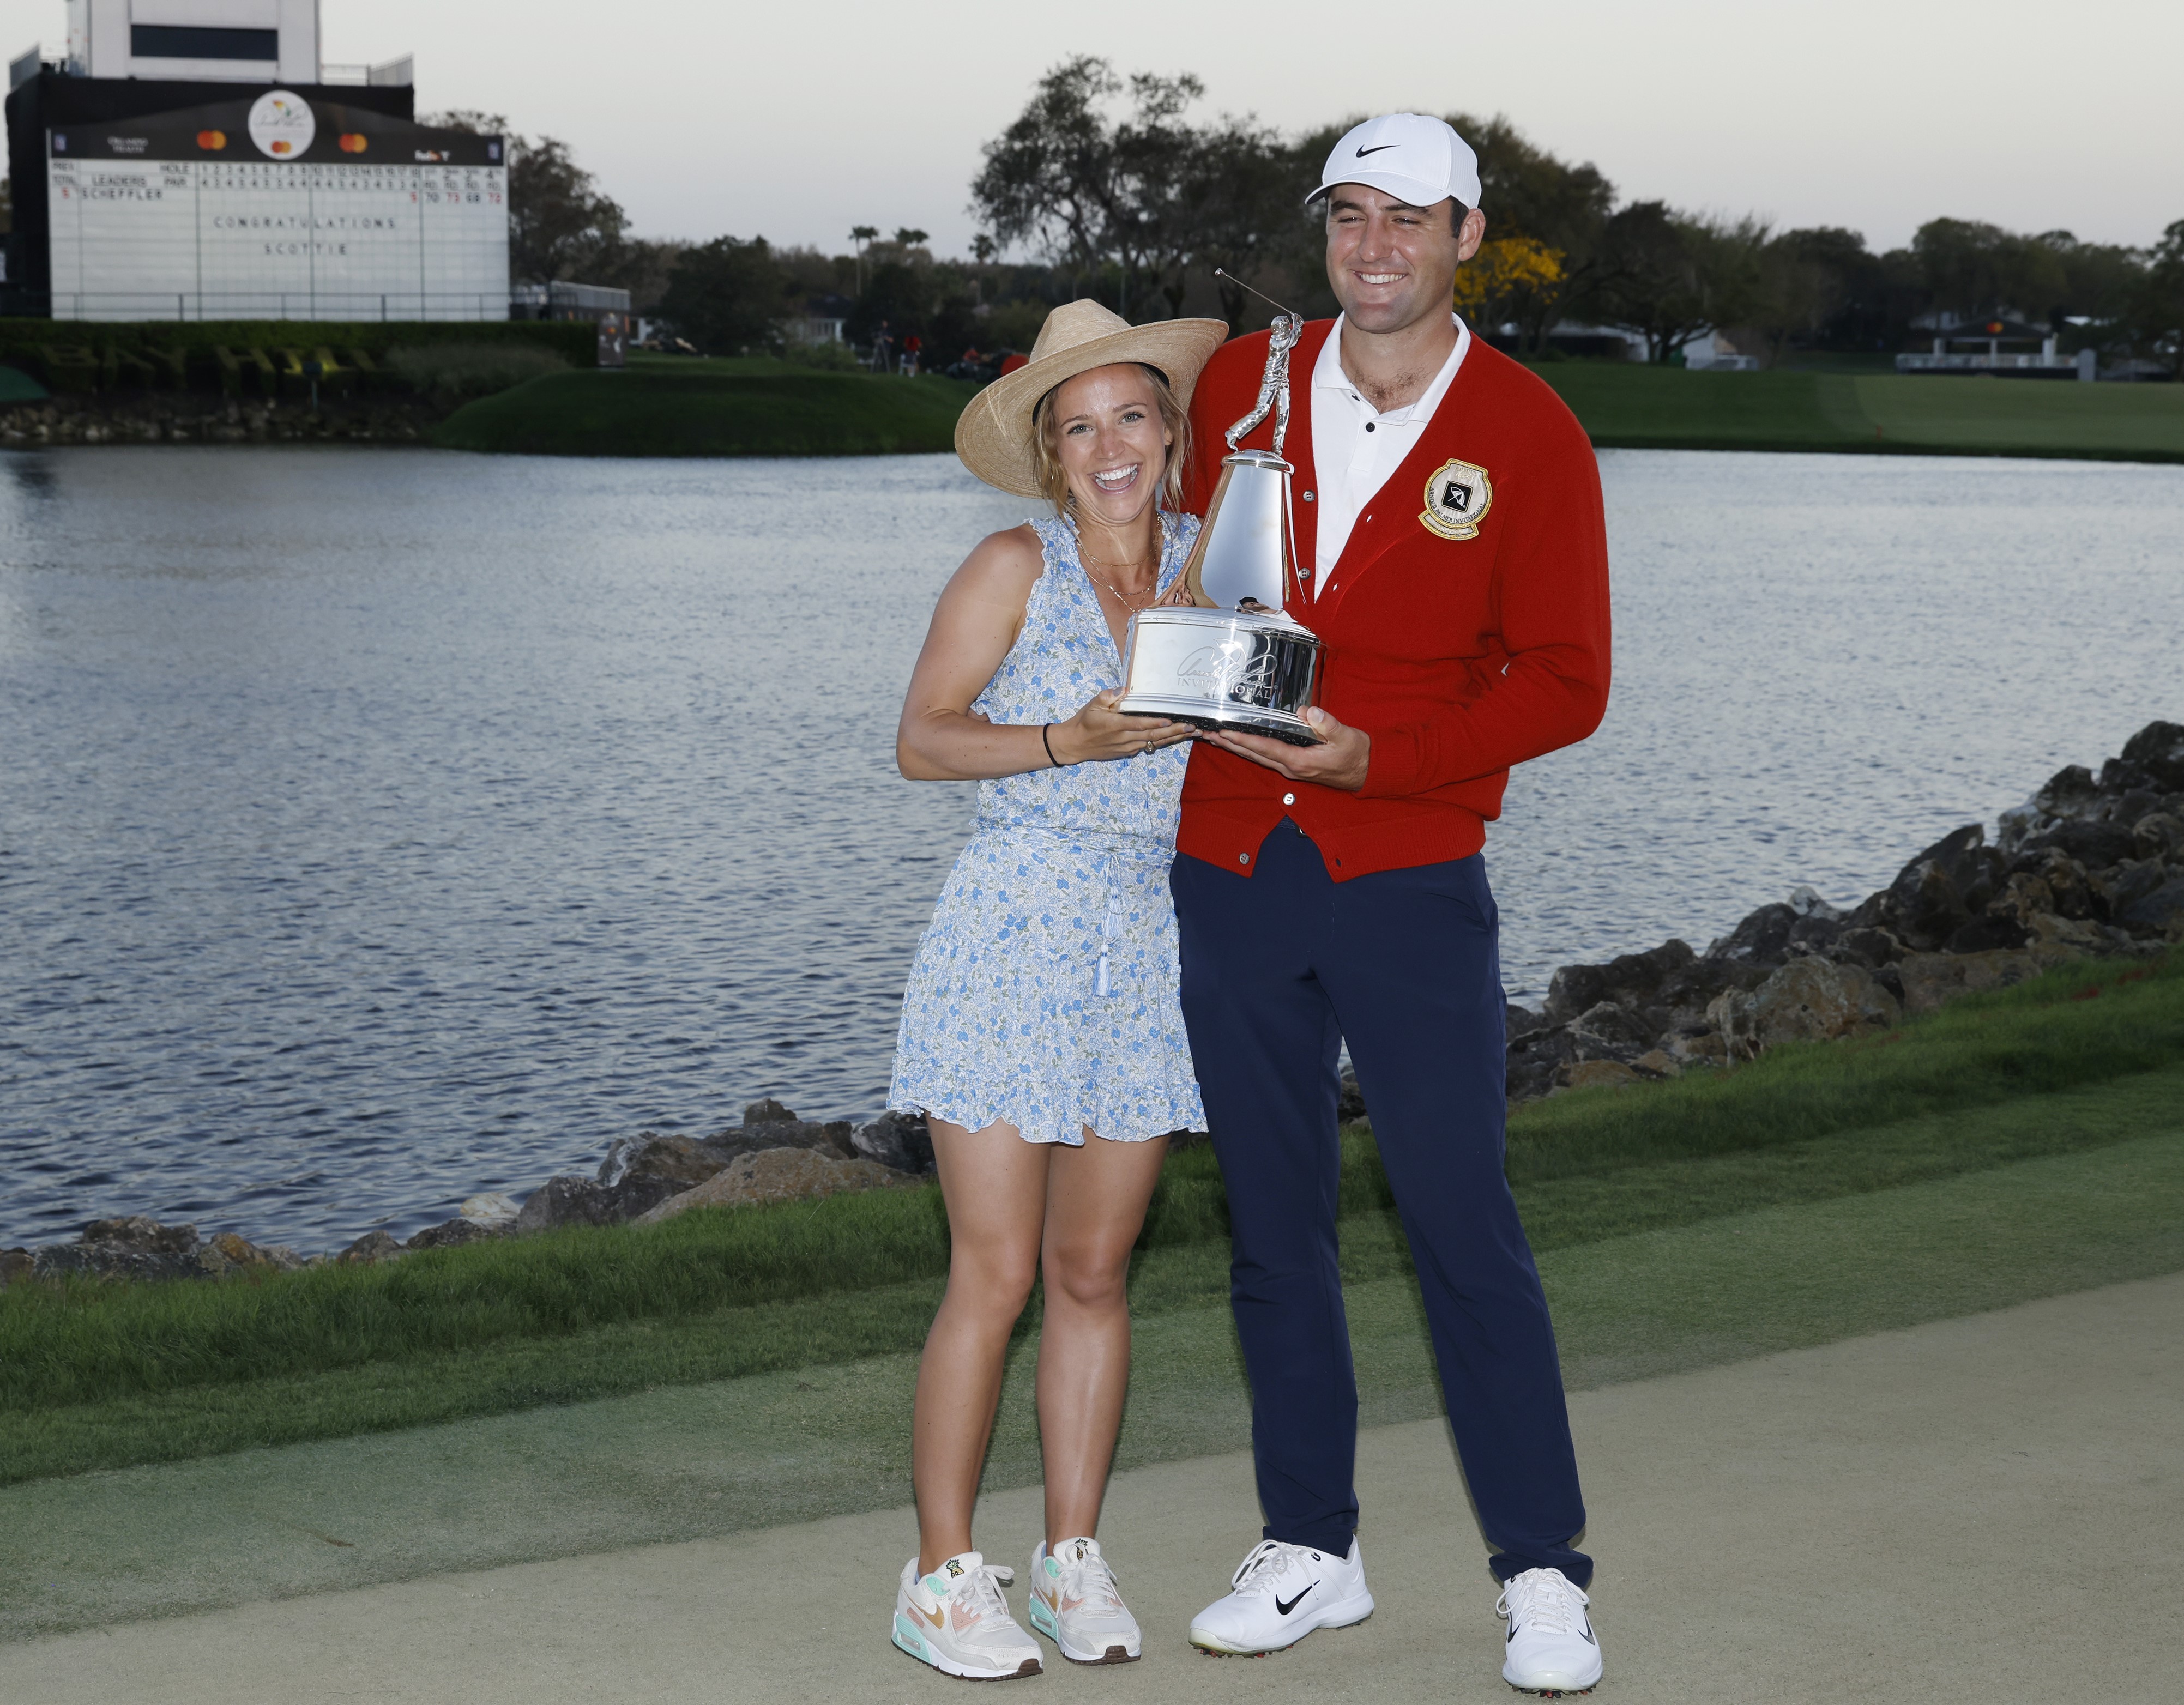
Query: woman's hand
1100	733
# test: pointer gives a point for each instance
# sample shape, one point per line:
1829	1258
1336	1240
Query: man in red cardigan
1454	560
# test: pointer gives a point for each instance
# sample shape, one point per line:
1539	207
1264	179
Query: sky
706	119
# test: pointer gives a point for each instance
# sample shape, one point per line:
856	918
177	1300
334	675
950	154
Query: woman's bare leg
1095	1205
995	1184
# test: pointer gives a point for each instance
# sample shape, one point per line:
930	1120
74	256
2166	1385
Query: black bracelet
1049	744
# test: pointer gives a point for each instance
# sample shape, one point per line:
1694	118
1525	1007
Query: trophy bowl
1222	669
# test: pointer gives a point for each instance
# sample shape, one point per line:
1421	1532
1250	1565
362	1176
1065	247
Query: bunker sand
1974	1509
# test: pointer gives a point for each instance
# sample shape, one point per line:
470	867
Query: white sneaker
957	1620
1552	1646
1279	1594
1074	1603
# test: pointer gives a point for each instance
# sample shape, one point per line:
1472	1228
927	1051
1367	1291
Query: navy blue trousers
1277	971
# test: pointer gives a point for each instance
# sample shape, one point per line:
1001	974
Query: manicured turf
759	406
709	409
101	1375
1628	406
686	1461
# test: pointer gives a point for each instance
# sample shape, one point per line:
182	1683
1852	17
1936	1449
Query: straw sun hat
993	435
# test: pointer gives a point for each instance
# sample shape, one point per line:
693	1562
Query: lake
377	826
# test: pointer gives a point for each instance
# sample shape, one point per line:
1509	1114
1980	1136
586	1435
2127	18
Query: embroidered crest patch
1457	498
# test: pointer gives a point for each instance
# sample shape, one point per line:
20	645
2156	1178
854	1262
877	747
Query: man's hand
1339	760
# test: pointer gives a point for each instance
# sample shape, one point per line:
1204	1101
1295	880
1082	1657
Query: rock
1806	999
1593	1074
2058	939
16	1264
1697	1045
240	1252
2071	792
896	1139
683	1161
492	1210
2159	834
1991	928
1520	1021
371	1250
768	1112
2065	880
2158	749
1535	1059
783	1174
1657	1064
566	1198
2123	889
1869	947
1806	902
1610	1032
1762	938
2158	912
451	1233
139	1235
1943	888
1932	980
1350	1100
2095	845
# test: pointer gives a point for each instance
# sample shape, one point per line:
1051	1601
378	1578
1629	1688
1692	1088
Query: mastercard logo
353	143
280	146
212	141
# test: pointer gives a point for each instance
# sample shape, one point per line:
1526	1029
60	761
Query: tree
2156	315
1525	191
1670	277
725	296
1088	190
560	224
1973	270
1506	276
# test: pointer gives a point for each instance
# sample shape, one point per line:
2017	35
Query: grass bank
758	406
96	1374
752	408
1633	407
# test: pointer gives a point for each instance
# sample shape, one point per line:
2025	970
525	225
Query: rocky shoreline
2090	866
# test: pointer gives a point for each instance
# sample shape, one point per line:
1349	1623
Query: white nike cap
1416	160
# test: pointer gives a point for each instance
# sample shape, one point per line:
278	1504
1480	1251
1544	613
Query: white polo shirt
1355	447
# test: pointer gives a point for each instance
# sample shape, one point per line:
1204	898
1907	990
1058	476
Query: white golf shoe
1279	1594
1551	1647
1074	1602
955	1619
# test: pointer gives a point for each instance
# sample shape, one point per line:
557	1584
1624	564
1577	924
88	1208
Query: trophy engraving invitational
1234	658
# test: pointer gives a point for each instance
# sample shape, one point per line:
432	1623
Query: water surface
376	827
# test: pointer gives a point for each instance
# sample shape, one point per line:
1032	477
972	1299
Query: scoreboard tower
176	166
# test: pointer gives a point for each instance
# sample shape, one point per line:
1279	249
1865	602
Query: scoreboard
276	208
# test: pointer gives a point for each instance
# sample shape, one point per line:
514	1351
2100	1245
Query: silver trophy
1234	658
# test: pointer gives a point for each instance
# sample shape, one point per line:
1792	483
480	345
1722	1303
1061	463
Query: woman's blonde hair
1046	454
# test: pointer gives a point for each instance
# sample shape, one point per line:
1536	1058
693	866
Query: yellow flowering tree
1496	284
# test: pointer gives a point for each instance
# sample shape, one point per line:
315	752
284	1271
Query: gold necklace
1122	598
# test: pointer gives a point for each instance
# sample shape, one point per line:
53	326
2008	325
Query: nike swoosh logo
936	1619
1362	153
1286	1608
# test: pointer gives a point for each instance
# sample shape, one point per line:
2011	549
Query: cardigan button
1243	858
1307	497
1289	799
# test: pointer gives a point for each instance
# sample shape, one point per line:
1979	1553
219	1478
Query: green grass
100	1374
684	1461
1630	406
665	407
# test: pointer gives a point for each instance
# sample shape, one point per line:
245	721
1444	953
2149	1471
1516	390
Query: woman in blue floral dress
1042	1035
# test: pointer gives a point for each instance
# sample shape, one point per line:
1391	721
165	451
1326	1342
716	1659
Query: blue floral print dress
1044	989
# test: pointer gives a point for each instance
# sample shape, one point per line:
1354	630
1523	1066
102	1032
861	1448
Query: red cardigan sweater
1460	657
